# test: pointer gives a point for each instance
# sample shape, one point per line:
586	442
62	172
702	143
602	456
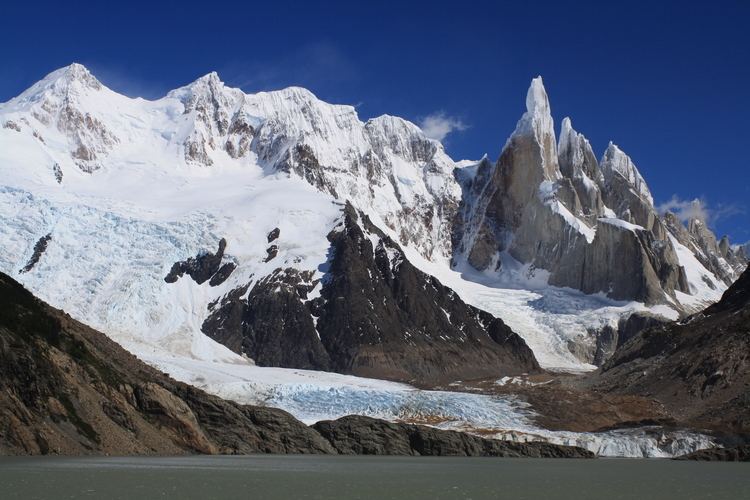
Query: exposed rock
39	247
275	232
67	389
10	124
624	260
58	173
273	325
222	274
203	267
635	323
720	258
271	253
377	315
553	209
698	368
578	163
735	454
355	435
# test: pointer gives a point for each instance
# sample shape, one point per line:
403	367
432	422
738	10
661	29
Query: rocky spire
538	116
537	122
575	153
616	164
578	164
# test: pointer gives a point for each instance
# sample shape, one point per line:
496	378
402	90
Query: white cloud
698	208
438	125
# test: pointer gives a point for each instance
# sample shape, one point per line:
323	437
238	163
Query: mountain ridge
167	179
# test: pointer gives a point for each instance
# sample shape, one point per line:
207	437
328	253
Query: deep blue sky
667	81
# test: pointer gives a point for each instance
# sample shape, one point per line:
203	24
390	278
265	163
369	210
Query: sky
666	81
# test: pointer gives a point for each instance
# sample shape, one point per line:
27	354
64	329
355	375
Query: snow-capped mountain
212	223
591	226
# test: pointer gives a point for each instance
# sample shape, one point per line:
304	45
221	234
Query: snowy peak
64	83
208	87
401	137
616	163
214	118
537	120
576	156
537	102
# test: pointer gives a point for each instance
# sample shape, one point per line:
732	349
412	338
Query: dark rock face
698	368
271	253
376	315
203	267
383	317
68	389
58	173
222	274
39	247
355	435
274	234
736	454
608	339
274	325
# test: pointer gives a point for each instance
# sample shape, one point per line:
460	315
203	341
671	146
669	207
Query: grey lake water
324	477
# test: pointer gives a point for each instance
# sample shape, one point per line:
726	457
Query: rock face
718	257
735	454
355	435
268	171
39	248
60	101
327	145
67	389
698	368
592	226
372	314
204	267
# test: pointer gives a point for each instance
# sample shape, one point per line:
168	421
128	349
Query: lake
324	477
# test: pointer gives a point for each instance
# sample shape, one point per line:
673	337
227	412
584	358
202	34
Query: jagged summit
210	162
537	119
65	82
616	162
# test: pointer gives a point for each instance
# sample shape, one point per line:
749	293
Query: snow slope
127	187
133	199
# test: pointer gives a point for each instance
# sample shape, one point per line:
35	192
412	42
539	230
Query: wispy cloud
313	65
124	81
698	208
438	125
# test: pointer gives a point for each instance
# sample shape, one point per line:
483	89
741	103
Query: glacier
127	187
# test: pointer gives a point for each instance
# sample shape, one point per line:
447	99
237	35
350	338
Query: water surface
324	477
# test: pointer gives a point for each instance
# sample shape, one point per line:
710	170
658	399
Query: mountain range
215	228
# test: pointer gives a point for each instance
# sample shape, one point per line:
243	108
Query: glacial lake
325	477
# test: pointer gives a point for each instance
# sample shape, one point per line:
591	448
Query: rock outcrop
373	314
212	267
718	257
733	454
67	389
356	435
39	247
592	226
698	368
